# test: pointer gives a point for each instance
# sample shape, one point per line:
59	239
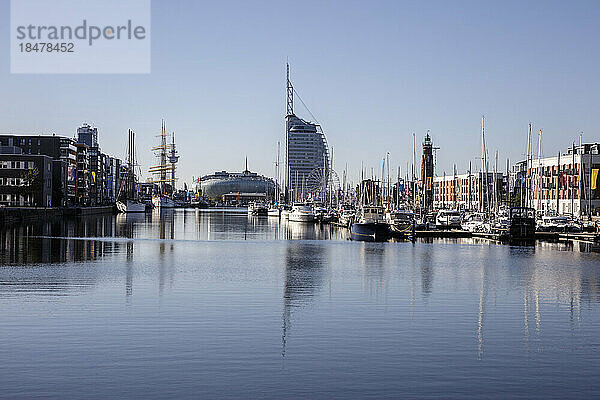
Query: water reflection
305	264
538	287
57	241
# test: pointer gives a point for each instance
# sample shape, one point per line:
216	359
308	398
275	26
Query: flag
594	179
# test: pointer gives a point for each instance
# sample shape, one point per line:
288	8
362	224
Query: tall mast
469	183
496	183
173	160
129	167
581	190
454	200
558	187
414	185
163	157
388	200
277	176
483	185
382	188
572	186
539	172
508	203
528	170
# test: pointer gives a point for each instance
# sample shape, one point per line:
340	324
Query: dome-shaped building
244	184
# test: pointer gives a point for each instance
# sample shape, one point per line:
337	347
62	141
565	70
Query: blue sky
371	72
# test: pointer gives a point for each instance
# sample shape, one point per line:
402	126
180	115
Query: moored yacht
274	212
257	208
447	219
162	201
128	206
347	214
302	213
400	221
370	225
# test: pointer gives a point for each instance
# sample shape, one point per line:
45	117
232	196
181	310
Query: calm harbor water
213	304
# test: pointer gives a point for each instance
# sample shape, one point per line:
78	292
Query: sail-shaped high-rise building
307	157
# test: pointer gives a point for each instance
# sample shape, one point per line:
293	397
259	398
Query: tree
30	183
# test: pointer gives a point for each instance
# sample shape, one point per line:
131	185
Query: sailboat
128	200
168	158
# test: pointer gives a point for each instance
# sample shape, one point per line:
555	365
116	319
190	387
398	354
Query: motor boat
400	221
370	225
285	212
557	224
128	206
274	212
475	223
448	219
321	213
347	215
522	223
162	201
302	213
258	208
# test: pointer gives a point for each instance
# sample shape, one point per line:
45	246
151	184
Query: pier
544	236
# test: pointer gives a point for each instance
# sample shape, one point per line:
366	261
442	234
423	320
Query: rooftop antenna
290	92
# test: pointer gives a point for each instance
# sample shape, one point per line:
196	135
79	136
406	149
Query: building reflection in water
305	266
67	240
61	240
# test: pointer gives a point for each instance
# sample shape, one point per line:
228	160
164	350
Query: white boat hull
129	206
163	202
301	217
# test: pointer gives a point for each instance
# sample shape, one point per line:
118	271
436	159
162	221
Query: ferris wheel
322	185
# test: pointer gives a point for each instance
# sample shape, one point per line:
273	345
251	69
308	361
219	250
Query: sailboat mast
173	160
163	158
483	185
539	172
277	175
414	185
528	170
496	208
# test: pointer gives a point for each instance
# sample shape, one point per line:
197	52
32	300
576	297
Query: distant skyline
372	73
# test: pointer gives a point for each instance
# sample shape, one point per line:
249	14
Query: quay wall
11	215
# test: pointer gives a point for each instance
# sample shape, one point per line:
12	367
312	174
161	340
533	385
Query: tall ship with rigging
164	172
